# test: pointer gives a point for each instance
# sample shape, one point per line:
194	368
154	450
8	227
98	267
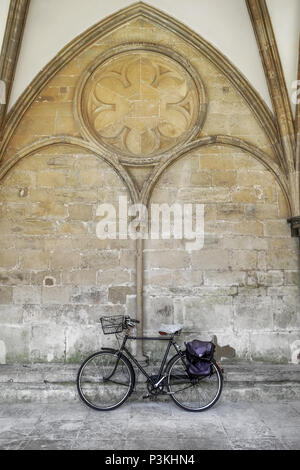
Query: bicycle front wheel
105	381
193	393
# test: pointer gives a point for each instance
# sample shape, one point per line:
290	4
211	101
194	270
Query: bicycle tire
186	381
88	384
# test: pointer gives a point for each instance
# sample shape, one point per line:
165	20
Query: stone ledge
244	381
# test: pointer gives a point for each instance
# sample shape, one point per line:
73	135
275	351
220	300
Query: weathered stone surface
270	346
47	343
27	295
6	295
118	294
58	277
55	294
87	295
16	339
208	313
253	314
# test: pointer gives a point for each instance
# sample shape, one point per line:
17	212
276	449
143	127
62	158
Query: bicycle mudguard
109	349
219	367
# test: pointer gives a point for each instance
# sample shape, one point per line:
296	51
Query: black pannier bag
198	355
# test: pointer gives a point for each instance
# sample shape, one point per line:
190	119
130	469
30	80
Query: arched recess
237	287
220	140
56	272
75	143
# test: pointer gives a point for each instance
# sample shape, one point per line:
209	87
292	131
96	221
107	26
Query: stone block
16	342
158	277
20	179
270	278
82	277
47	343
230	211
14	278
243	259
207	259
287	312
8	258
113	276
253	313
271	346
27	295
128	259
51	179
167	259
101	260
6	295
292	278
277	228
249	227
34	260
225	278
83	212
131	306
158	310
224	178
73	228
11	314
55	294
208	313
48	209
45	278
118	294
185	278
282	259
200	178
81	341
236	242
91	178
64	260
204	195
88	295
37	227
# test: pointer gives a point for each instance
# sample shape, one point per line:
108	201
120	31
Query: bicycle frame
160	376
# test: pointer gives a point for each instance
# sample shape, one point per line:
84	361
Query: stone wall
57	278
105	124
243	286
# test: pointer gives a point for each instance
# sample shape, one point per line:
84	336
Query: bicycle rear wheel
193	394
105	381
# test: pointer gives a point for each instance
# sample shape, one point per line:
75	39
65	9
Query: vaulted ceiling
51	25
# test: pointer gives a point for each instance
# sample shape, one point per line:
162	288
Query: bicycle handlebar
133	320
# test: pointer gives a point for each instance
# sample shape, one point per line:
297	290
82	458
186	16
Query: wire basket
111	325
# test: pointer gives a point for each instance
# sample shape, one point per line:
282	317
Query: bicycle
106	379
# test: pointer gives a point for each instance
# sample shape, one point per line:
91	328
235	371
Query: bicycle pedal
146	396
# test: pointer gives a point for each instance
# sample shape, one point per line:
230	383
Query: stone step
56	382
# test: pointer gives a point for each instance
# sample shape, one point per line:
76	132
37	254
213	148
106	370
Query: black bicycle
106	379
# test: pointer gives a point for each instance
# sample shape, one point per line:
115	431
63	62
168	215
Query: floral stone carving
141	103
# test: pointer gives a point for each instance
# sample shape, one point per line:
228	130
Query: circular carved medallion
141	103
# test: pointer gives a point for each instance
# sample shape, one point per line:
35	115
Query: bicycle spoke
199	394
105	381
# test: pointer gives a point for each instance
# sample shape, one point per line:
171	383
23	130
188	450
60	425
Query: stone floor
150	425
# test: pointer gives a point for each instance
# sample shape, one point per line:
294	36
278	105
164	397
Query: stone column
10	49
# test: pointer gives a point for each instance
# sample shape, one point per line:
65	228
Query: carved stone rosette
139	101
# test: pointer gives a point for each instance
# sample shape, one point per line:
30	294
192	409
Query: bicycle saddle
169	329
